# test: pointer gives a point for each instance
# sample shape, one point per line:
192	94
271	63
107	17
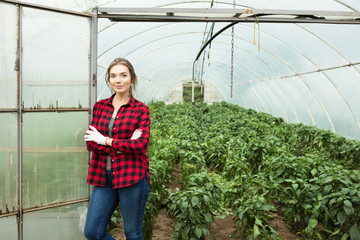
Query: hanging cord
258	36
211	33
257	22
232	58
254	33
232	61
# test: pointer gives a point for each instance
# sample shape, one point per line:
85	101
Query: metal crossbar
228	15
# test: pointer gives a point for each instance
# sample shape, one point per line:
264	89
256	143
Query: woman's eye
124	75
112	76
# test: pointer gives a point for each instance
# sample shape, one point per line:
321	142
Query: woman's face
120	79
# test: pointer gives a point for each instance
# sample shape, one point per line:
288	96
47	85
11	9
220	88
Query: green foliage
187	170
249	197
115	220
334	146
195	207
192	215
237	158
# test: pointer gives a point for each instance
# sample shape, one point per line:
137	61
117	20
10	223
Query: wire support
297	74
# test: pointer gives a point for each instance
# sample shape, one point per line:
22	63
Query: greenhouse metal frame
24	108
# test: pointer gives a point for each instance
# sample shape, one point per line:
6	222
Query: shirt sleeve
141	144
93	146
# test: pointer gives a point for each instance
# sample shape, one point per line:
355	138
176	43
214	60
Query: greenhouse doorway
46	94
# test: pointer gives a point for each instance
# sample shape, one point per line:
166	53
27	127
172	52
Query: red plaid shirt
132	163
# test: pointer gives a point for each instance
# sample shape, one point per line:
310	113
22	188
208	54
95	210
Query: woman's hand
136	134
94	135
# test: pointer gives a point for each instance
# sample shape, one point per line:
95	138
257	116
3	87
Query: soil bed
222	228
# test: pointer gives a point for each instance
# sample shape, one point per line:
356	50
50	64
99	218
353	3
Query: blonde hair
126	63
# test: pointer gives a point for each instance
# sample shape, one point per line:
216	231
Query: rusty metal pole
93	70
18	69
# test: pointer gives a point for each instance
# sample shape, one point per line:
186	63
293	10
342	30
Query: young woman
118	138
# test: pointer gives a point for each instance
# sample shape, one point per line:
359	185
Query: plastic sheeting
300	72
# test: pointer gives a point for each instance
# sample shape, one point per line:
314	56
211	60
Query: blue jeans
103	202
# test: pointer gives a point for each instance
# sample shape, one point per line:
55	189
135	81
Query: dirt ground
221	229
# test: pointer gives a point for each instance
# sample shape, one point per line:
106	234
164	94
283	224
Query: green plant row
262	165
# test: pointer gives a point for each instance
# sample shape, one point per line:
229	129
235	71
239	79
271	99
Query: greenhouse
233	88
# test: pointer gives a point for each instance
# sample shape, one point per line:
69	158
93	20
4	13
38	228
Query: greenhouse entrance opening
188	92
45	97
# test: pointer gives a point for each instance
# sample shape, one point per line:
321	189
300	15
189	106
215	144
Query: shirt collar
131	101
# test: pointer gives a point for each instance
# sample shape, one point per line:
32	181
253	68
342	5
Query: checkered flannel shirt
130	166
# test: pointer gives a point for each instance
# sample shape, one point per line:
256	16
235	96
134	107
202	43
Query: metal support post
18	67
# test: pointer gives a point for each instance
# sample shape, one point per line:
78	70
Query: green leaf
332	201
349	210
319	197
177	226
256	231
336	232
354	232
184	206
345	181
328	179
192	213
327	188
258	222
345	236
347	203
295	185
208	217
345	191
206	232
186	231
268	207
194	200
353	192
116	213
341	217
312	224
198	232
307	206
114	220
207	199
313	172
